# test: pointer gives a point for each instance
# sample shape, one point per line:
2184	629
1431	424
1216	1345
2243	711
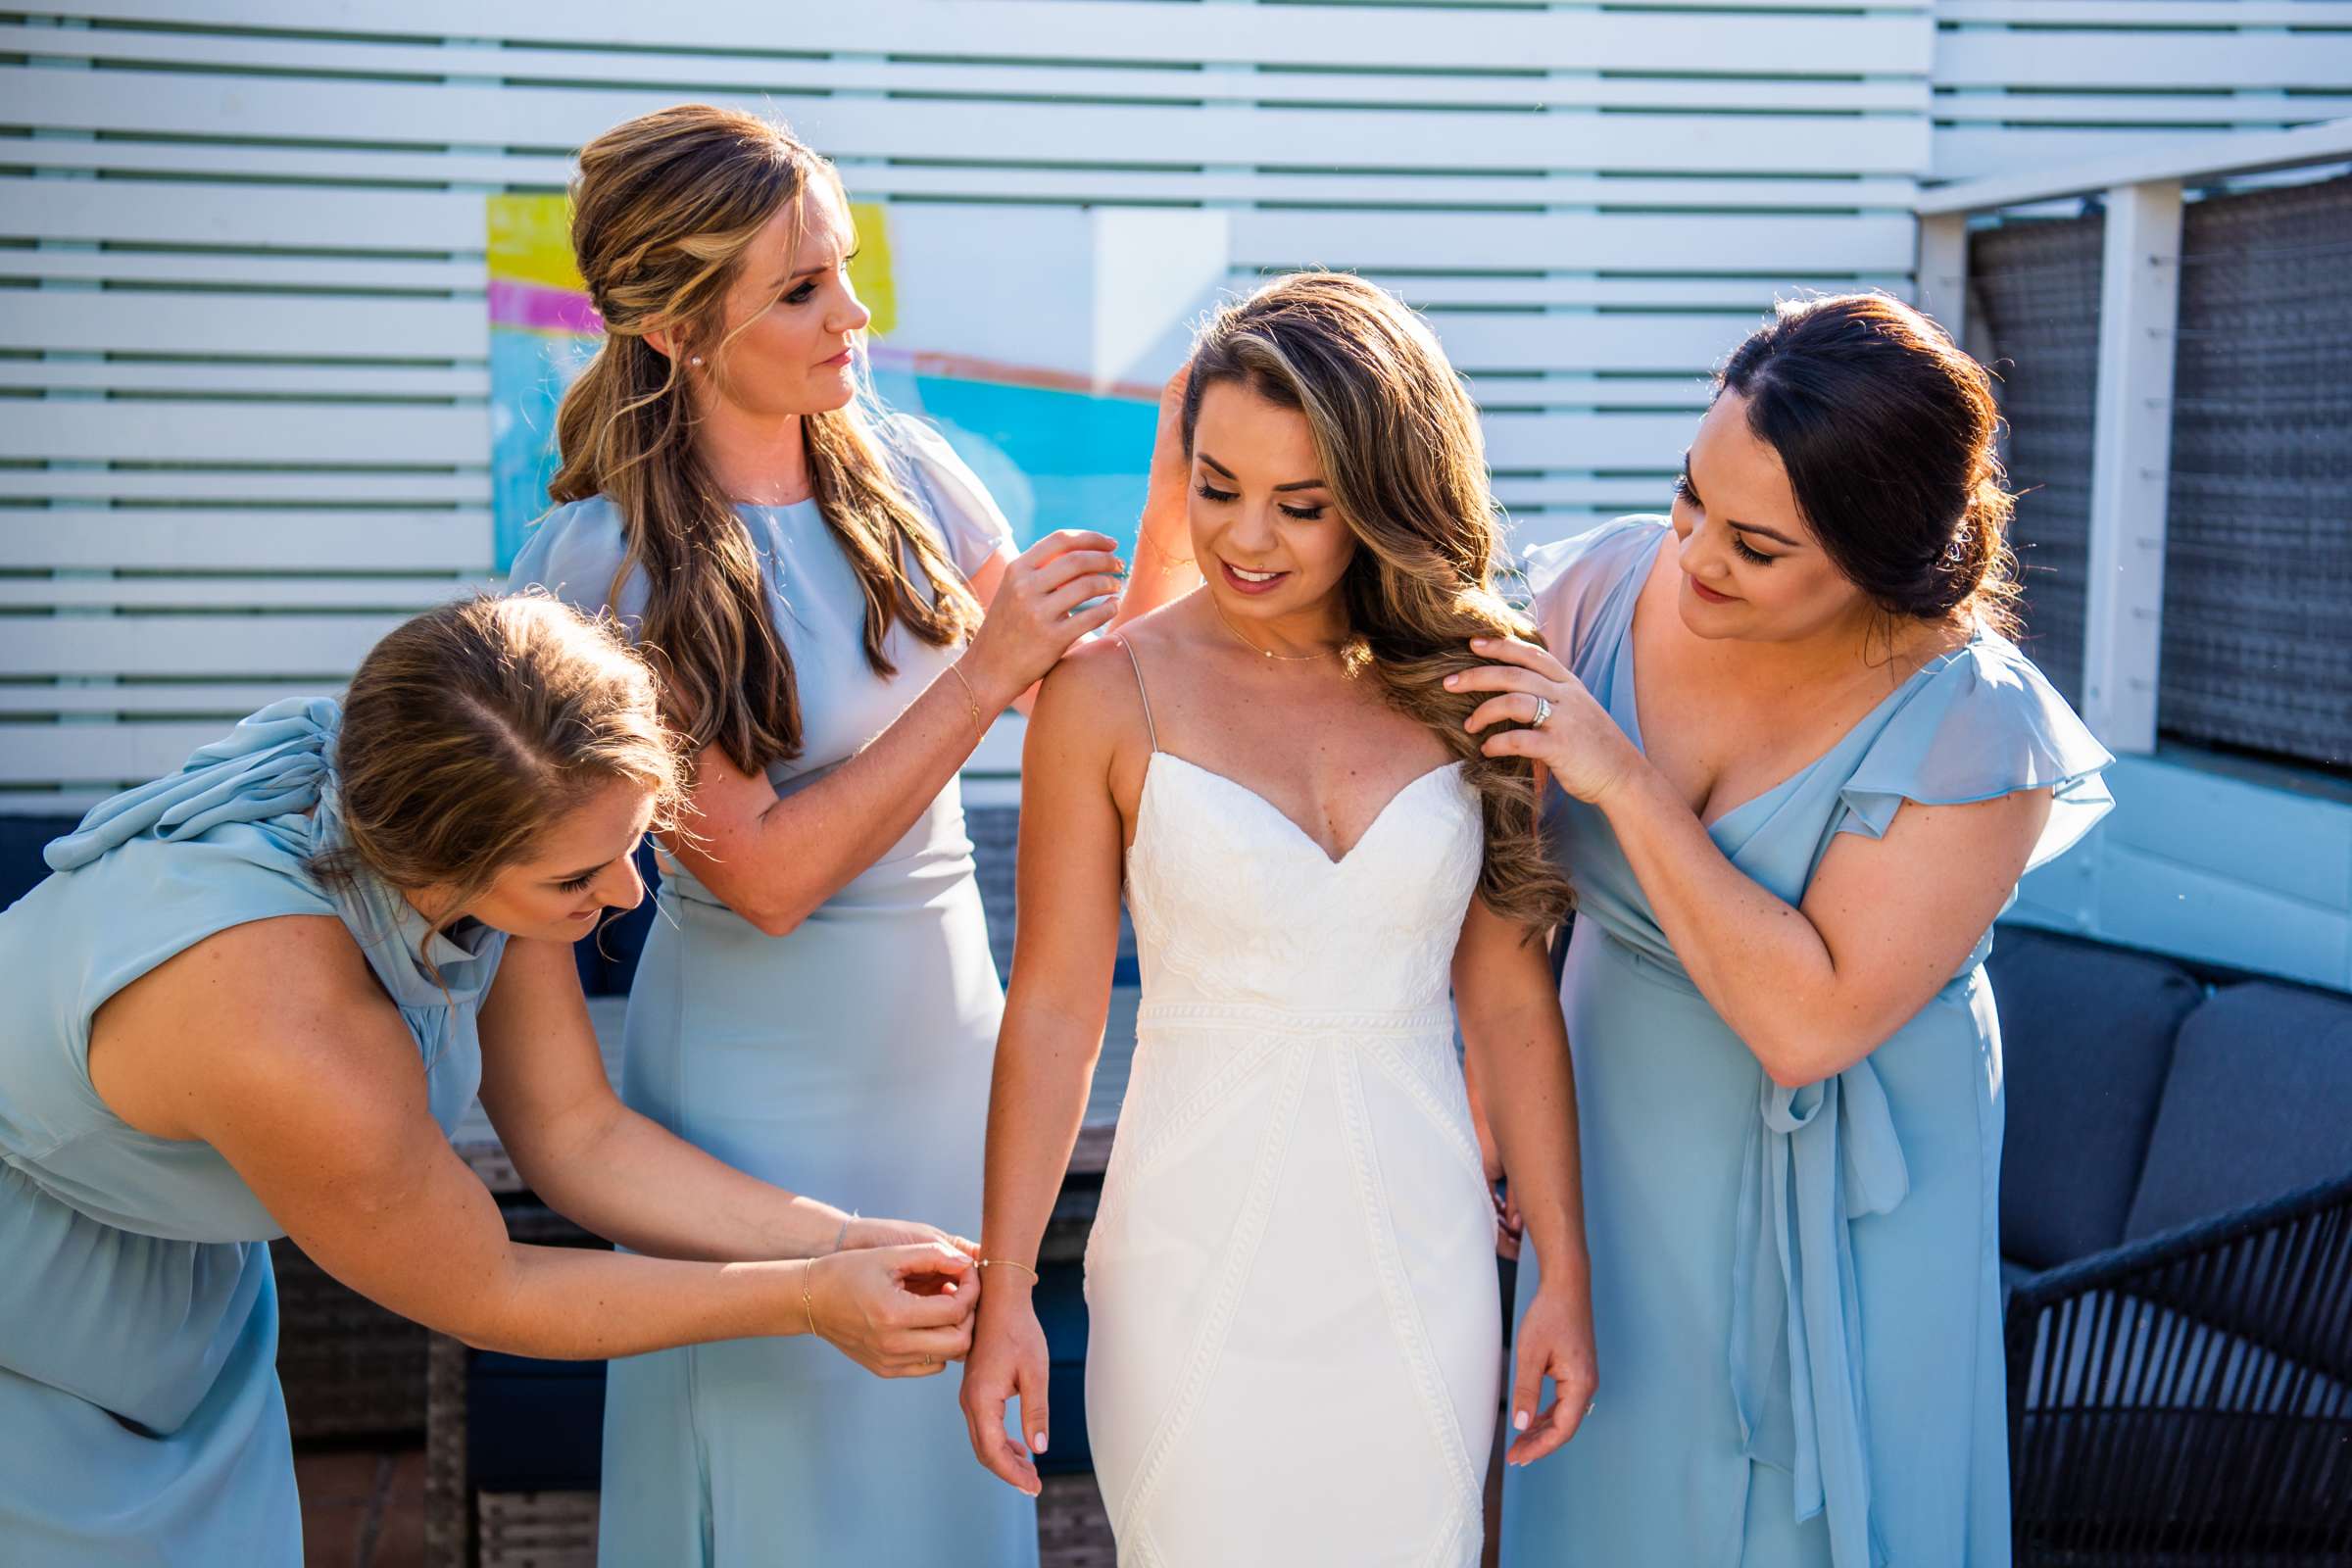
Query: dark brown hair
662	212
1886	431
1404	453
469	729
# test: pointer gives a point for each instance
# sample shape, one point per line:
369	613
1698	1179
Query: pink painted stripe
536	308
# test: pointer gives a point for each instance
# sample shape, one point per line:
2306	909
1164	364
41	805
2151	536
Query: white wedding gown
1295	1347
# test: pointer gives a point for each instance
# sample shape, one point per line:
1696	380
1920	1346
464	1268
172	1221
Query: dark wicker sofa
2176	1229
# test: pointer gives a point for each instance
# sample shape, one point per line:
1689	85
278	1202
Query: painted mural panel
981	324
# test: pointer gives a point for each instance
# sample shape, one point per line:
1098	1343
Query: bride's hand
1554	1341
1008	1359
1577	740
896	1311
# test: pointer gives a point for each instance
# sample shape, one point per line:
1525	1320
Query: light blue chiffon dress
1795	1292
140	1417
848	1059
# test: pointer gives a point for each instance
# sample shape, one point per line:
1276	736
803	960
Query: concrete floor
362	1508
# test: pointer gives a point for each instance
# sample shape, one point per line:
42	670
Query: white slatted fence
243	339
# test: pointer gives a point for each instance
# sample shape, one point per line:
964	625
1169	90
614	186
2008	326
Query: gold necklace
1266	652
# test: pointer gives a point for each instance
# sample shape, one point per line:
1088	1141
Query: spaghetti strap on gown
1294	1354
140	1417
1795	1291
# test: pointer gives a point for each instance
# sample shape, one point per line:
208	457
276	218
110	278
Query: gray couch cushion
2087	1036
2259	1104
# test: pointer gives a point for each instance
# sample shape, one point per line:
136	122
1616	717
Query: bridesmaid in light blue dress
224	1023
1788	843
840	611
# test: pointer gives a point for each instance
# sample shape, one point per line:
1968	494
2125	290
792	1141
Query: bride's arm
1517	1049
1067	944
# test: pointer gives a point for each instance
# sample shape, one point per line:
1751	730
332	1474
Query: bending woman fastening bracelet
253	999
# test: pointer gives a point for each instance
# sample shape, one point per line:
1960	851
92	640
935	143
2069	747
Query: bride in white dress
1294	1349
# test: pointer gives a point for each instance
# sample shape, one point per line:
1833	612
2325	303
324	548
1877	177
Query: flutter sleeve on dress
1570	580
575	553
1989	723
969	517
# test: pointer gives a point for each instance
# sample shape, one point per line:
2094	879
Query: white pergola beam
2140	309
2194	161
1943	272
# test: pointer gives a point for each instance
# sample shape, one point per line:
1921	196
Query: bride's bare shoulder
1090	699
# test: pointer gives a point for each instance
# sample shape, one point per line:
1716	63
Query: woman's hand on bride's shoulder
1008	1360
903	1311
1576	740
1554	1341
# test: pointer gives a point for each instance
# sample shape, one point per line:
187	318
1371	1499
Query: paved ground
363	1507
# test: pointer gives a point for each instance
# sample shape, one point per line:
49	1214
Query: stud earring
694	359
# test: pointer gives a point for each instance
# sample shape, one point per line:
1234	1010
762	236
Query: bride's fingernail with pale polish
1040	1444
1519	1421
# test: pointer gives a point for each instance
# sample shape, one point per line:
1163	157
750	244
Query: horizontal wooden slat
234	379
2150	13
259	325
1421	37
1630	295
1608	393
357	432
249	540
297	487
225	217
1637	493
104	755
1618	242
688	73
264	218
235	593
902	182
420	114
1975	152
1522	342
213	701
244	325
243	270
1535	442
2045	57
283	647
361	434
2204	110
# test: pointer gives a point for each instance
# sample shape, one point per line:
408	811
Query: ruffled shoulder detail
1570	580
1983	724
972	525
273	765
575	553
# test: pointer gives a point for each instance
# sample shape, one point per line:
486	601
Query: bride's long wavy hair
1403	452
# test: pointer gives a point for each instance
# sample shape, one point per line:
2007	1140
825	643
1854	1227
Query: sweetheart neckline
1284	817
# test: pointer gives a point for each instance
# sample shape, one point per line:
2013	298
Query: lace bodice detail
1233	903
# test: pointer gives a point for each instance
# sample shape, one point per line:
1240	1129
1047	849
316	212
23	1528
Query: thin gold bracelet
1011	1262
809	1305
971	700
